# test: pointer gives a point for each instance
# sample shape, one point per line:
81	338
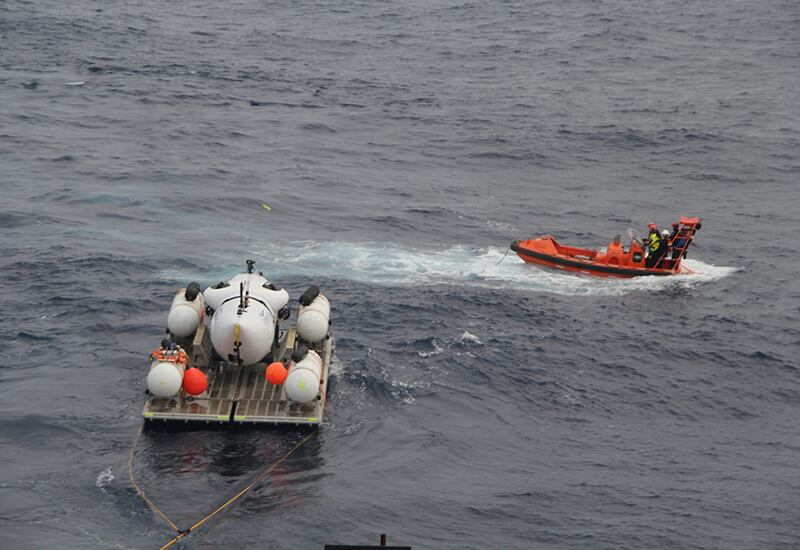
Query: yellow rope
241	493
136	486
220	508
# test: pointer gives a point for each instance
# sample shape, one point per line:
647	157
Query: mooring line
241	493
504	256
138	489
220	508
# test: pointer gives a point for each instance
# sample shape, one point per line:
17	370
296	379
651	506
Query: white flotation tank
313	315
165	379
302	383
186	312
246	310
167	365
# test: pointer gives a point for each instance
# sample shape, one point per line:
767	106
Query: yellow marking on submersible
222	417
236	331
148	415
239	417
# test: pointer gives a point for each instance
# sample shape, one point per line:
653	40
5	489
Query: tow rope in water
504	256
183	532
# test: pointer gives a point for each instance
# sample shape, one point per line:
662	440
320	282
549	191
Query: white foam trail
394	265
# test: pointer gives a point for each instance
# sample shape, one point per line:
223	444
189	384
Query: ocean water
477	402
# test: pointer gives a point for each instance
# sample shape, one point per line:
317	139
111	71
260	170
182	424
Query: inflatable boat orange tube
615	260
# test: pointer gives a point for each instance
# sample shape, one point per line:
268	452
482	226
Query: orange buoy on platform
276	373
195	381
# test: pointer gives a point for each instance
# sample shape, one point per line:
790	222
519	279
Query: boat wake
487	267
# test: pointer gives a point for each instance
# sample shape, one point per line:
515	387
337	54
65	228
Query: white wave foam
104	478
437	349
453	265
468	338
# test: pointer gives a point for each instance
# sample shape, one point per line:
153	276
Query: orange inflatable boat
614	261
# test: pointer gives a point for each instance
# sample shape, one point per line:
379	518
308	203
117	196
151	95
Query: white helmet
665	233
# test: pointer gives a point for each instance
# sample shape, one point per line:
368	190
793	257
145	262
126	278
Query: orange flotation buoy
195	381
276	373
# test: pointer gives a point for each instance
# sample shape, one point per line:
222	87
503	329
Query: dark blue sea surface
401	147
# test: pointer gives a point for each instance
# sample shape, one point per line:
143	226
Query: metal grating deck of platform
241	395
